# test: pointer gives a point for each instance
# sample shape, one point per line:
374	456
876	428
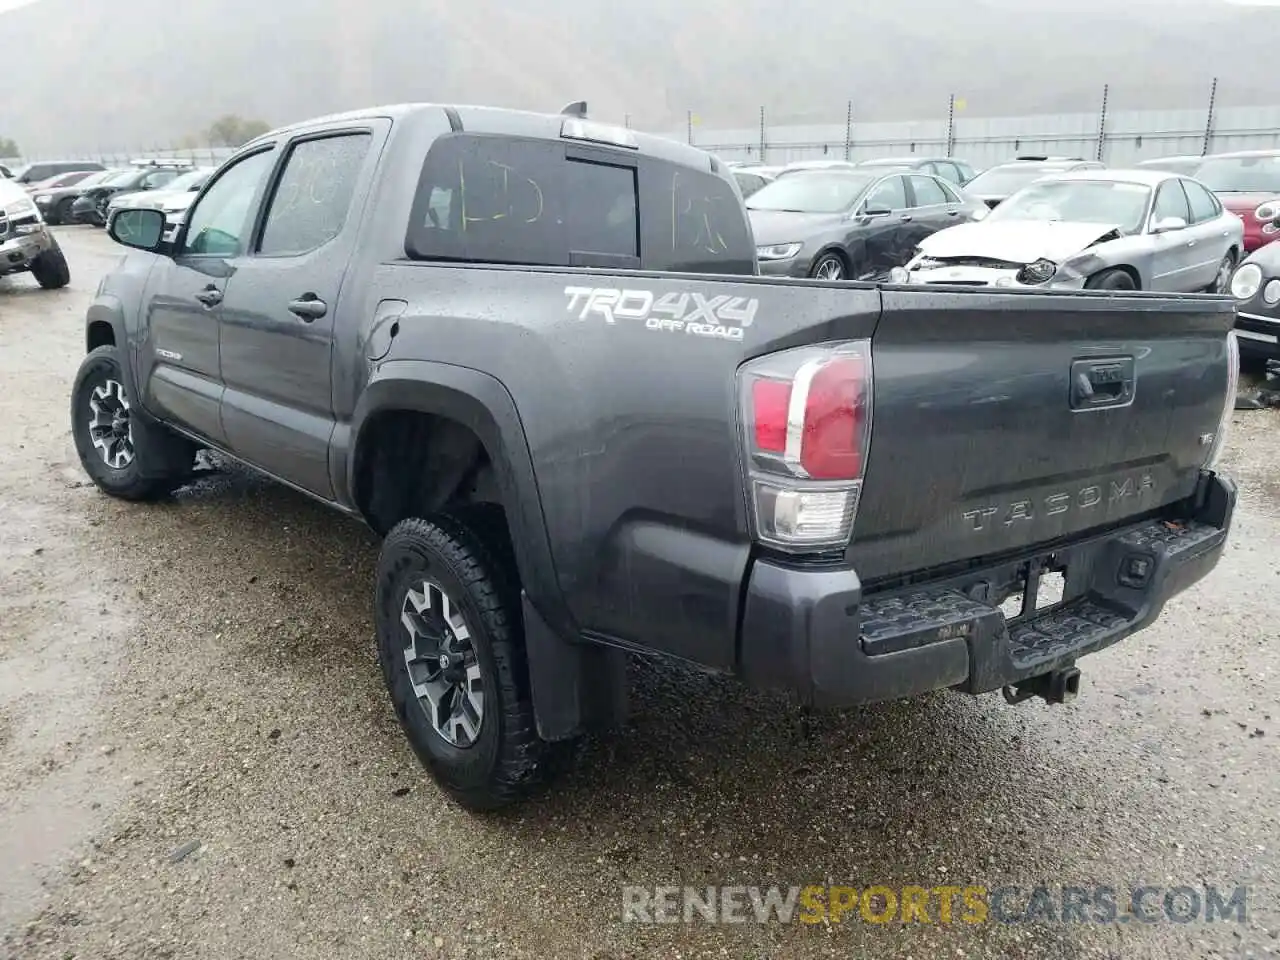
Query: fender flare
109	310
480	402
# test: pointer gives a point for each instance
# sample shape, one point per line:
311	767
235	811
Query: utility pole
951	124
848	130
1208	124
1102	121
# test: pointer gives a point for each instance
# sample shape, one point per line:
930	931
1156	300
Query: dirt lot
198	760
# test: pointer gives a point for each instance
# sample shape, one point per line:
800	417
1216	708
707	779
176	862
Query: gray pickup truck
531	352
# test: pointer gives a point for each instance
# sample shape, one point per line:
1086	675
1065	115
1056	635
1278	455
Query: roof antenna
576	109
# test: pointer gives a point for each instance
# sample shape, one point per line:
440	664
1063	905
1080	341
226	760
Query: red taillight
771	400
806	420
833	411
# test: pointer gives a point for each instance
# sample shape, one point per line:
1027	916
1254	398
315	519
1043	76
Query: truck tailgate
1006	421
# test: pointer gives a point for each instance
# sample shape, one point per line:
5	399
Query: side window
218	223
1170	202
312	198
1204	205
928	192
889	194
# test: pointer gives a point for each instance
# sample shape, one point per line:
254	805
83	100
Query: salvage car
173	198
949	168
26	243
522	348
91	205
1243	181
996	184
1093	229
850	224
1256	287
55	202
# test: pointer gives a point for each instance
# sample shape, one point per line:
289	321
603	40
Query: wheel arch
481	404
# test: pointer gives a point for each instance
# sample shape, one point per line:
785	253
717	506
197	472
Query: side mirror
141	229
1168	225
872	211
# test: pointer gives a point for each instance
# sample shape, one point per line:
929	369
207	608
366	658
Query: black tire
62	212
50	268
830	262
1111	280
507	761
1222	282
161	460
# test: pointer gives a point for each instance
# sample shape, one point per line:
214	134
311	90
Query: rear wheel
125	454
1111	280
50	268
452	654
1222	280
829	266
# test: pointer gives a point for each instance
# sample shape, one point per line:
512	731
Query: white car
174	198
1092	229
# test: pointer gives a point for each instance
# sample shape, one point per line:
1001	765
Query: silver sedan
1092	229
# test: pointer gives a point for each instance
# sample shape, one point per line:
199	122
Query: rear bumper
814	633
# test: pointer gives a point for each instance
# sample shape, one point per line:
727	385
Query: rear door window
1204	205
928	192
491	199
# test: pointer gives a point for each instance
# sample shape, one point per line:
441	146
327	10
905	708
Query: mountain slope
137	73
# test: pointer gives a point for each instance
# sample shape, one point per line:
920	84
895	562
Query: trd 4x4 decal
720	317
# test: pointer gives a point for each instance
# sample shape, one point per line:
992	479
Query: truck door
179	374
278	314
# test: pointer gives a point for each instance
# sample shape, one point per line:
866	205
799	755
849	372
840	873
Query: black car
91	205
55	203
1256	287
996	184
851	224
949	168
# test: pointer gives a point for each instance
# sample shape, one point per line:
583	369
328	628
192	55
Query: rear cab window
512	200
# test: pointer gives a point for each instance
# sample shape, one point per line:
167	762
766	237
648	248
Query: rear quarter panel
631	421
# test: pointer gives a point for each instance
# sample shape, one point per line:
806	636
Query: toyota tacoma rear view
532	352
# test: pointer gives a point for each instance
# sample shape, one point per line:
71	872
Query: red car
1244	181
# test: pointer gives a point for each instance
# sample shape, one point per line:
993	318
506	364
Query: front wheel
124	453
829	266
1111	280
50	268
451	650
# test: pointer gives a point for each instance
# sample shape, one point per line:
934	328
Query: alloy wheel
829	269
110	427
442	664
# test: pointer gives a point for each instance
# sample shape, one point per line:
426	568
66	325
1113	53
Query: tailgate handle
1097	384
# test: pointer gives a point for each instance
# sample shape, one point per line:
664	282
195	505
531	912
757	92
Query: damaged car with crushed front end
1091	229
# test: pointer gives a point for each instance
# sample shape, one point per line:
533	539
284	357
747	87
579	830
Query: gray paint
616	444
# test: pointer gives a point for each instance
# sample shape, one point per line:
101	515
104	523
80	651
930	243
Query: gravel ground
198	759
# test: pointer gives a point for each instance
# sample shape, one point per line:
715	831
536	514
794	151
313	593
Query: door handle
210	296
953	213
308	307
905	218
